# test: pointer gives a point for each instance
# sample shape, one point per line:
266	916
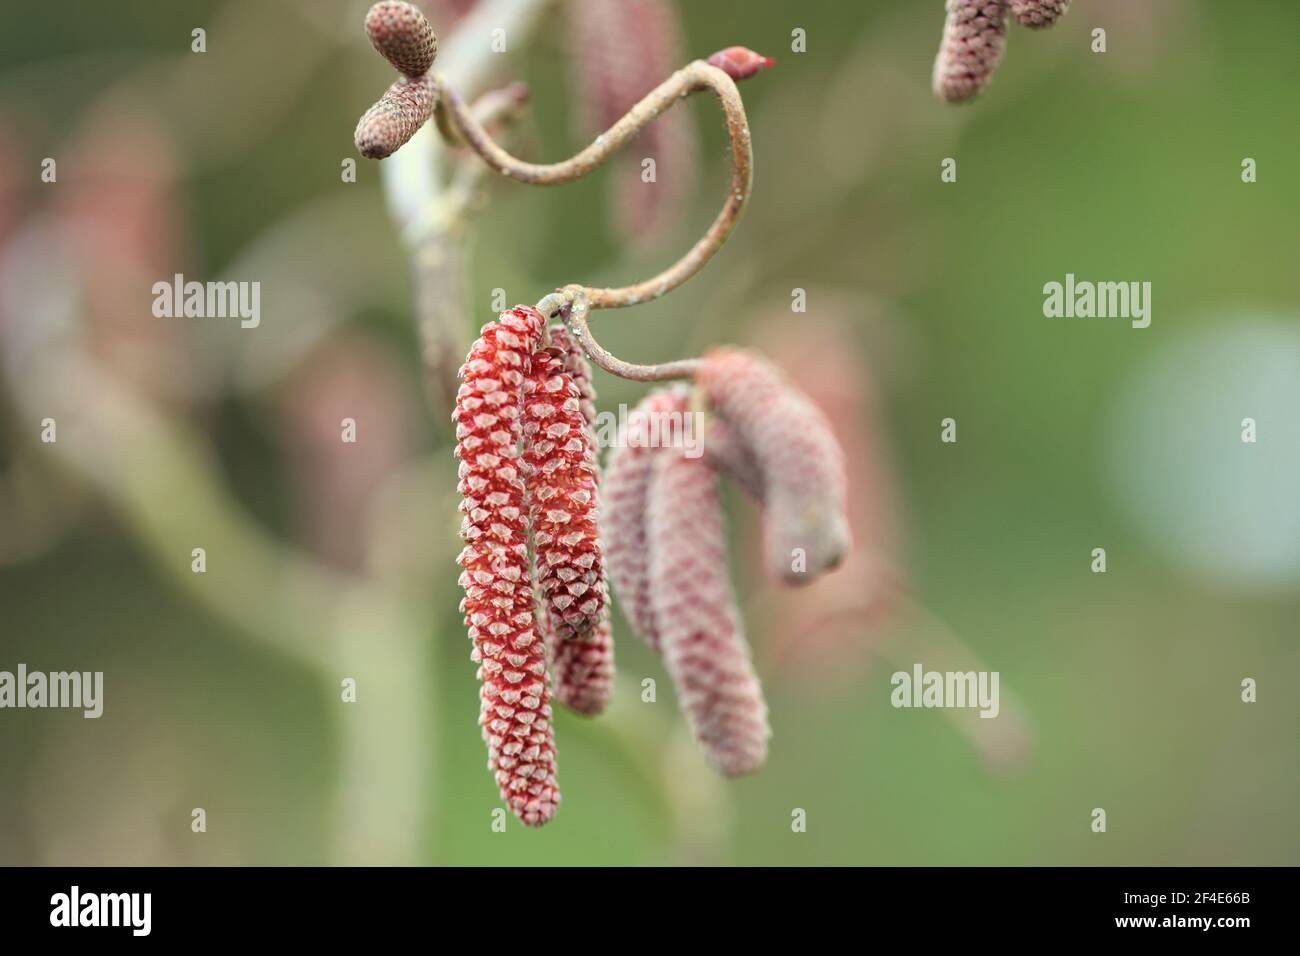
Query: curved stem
571	304
453	113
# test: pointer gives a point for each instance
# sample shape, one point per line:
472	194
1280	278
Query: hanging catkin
515	711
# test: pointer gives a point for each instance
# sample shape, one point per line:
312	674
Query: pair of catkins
543	534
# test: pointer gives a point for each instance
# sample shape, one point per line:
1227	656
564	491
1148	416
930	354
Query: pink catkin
1037	14
626	490
974	36
561	477
826	632
448	13
583	668
695	610
402	36
399	114
120	220
346	375
619	52
499	609
800	462
731	457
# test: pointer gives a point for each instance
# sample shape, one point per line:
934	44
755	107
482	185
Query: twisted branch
571	304
402	35
453	114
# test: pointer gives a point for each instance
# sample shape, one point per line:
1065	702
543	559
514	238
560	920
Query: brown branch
571	304
454	114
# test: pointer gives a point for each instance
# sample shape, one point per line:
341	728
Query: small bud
740	62
402	35
399	114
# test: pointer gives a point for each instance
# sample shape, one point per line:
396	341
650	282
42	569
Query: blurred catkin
625	492
121	218
824	632
499	609
694	607
801	463
448	13
1036	14
974	36
345	376
730	456
618	53
583	669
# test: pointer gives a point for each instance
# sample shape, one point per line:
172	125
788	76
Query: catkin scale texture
515	711
402	36
974	37
1037	14
695	610
396	117
561	478
582	667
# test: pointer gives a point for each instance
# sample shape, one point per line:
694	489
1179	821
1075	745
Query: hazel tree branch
571	304
696	77
401	34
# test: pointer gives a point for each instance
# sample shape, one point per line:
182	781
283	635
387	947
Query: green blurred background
1120	690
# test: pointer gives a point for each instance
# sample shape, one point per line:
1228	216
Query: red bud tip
739	62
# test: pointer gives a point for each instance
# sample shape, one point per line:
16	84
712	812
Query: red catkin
1037	14
561	477
695	610
583	668
626	490
579	369
402	36
399	114
974	36
800	462
515	712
